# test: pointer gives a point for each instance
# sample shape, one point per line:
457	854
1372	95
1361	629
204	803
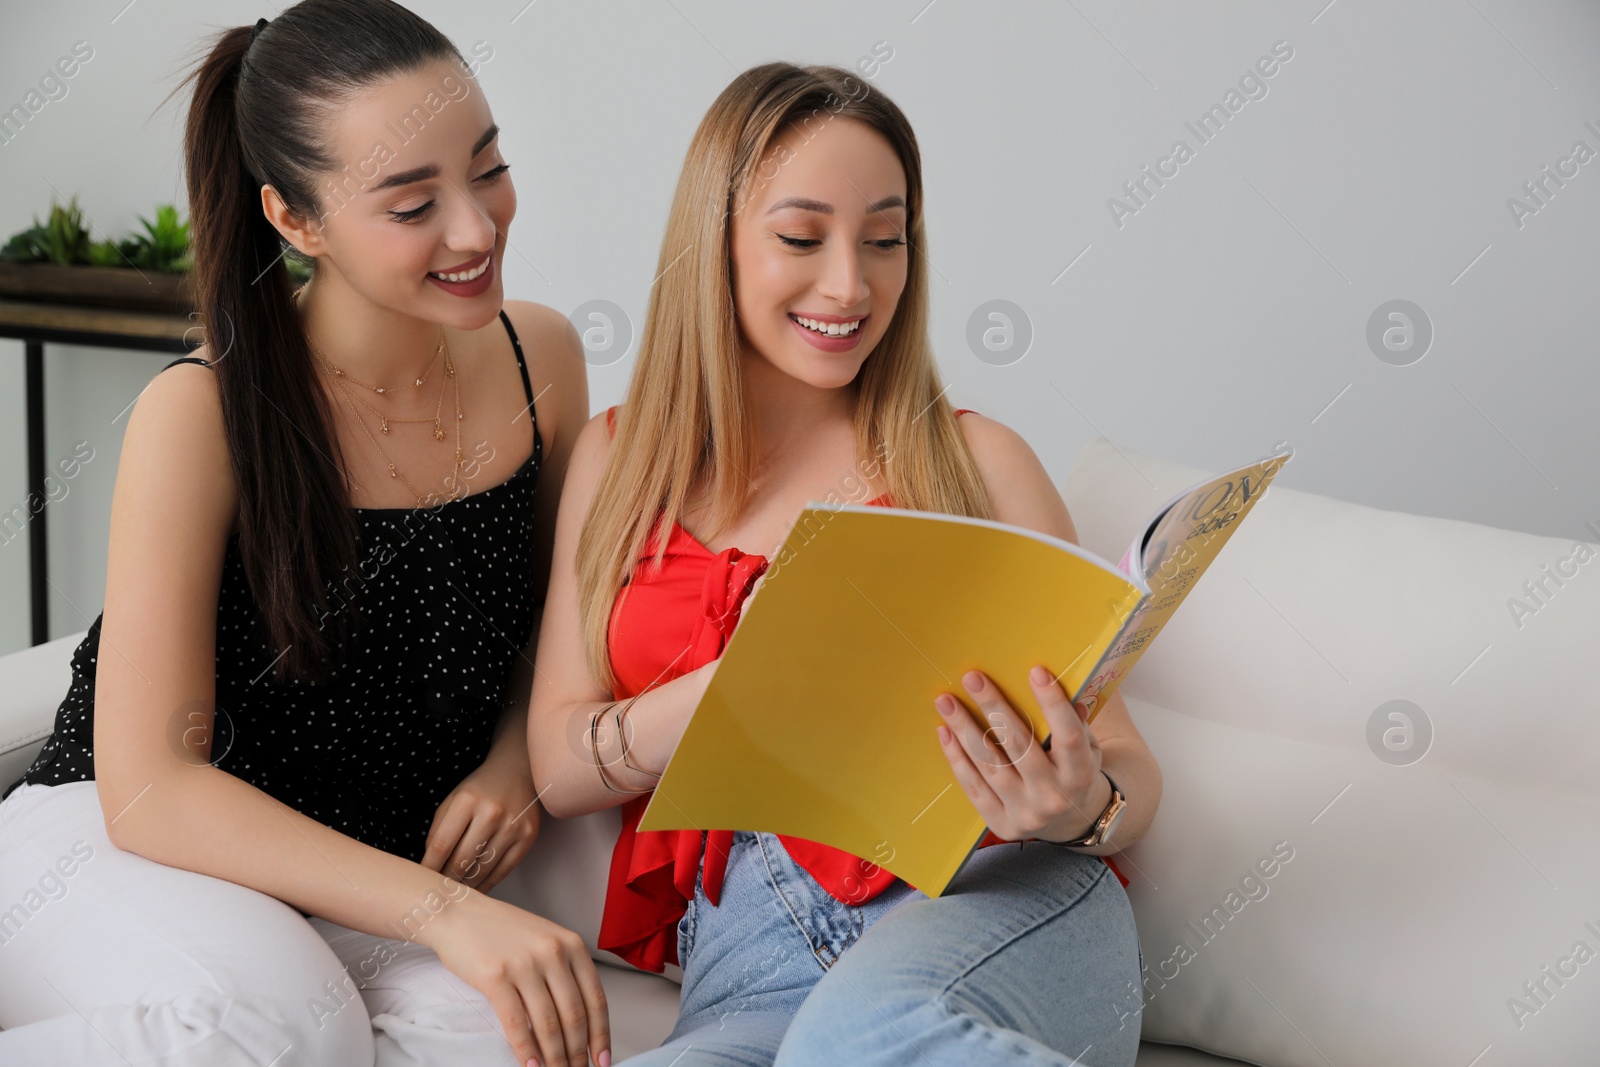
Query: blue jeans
1030	958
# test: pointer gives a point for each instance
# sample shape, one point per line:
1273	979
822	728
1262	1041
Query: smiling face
418	226
819	252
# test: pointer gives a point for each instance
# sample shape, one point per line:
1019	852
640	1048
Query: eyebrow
827	209
431	170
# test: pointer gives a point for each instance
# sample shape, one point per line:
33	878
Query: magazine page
1170	555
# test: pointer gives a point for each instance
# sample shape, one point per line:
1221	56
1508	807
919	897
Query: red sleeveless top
664	624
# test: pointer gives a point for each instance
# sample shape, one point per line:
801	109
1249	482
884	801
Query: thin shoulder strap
611	420
961	411
186	359
522	364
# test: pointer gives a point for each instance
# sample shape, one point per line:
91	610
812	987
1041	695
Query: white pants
107	957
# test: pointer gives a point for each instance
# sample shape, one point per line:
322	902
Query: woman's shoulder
590	452
1021	491
183	398
533	313
548	339
553	354
992	442
176	438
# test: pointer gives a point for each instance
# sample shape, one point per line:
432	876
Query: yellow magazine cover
819	721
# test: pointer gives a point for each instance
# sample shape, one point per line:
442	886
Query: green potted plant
57	262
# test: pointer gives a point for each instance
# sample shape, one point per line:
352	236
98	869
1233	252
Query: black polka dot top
446	602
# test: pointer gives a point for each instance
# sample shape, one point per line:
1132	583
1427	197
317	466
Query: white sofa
1409	900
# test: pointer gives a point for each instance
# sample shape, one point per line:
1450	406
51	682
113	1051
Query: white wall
1227	313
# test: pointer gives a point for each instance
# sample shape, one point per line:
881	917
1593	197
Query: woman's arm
172	509
1021	493
489	821
565	694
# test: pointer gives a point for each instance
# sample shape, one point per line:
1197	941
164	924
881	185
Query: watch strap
1097	830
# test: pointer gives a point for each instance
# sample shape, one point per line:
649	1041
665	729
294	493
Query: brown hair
686	413
262	105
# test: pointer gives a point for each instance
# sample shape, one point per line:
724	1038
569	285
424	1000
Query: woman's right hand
531	970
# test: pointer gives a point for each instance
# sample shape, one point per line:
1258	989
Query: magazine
819	722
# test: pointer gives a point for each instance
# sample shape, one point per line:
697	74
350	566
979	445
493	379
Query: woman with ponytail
785	358
293	760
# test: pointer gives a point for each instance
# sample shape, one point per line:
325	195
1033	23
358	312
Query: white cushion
642	1008
1420	897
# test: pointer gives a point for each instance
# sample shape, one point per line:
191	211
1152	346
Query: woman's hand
1021	790
486	824
538	976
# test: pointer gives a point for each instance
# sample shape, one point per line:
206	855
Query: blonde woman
784	356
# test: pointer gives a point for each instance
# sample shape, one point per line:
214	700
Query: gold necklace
385	419
381	390
454	481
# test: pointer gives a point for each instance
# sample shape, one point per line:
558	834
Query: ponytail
260	101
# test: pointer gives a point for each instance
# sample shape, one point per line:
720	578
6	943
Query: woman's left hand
1021	790
486	824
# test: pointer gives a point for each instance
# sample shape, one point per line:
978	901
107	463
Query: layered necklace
343	380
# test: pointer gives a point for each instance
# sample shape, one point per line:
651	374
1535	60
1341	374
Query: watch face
1112	825
1118	805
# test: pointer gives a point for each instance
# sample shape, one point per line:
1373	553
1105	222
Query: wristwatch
1101	831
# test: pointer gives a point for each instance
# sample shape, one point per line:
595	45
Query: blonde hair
686	414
